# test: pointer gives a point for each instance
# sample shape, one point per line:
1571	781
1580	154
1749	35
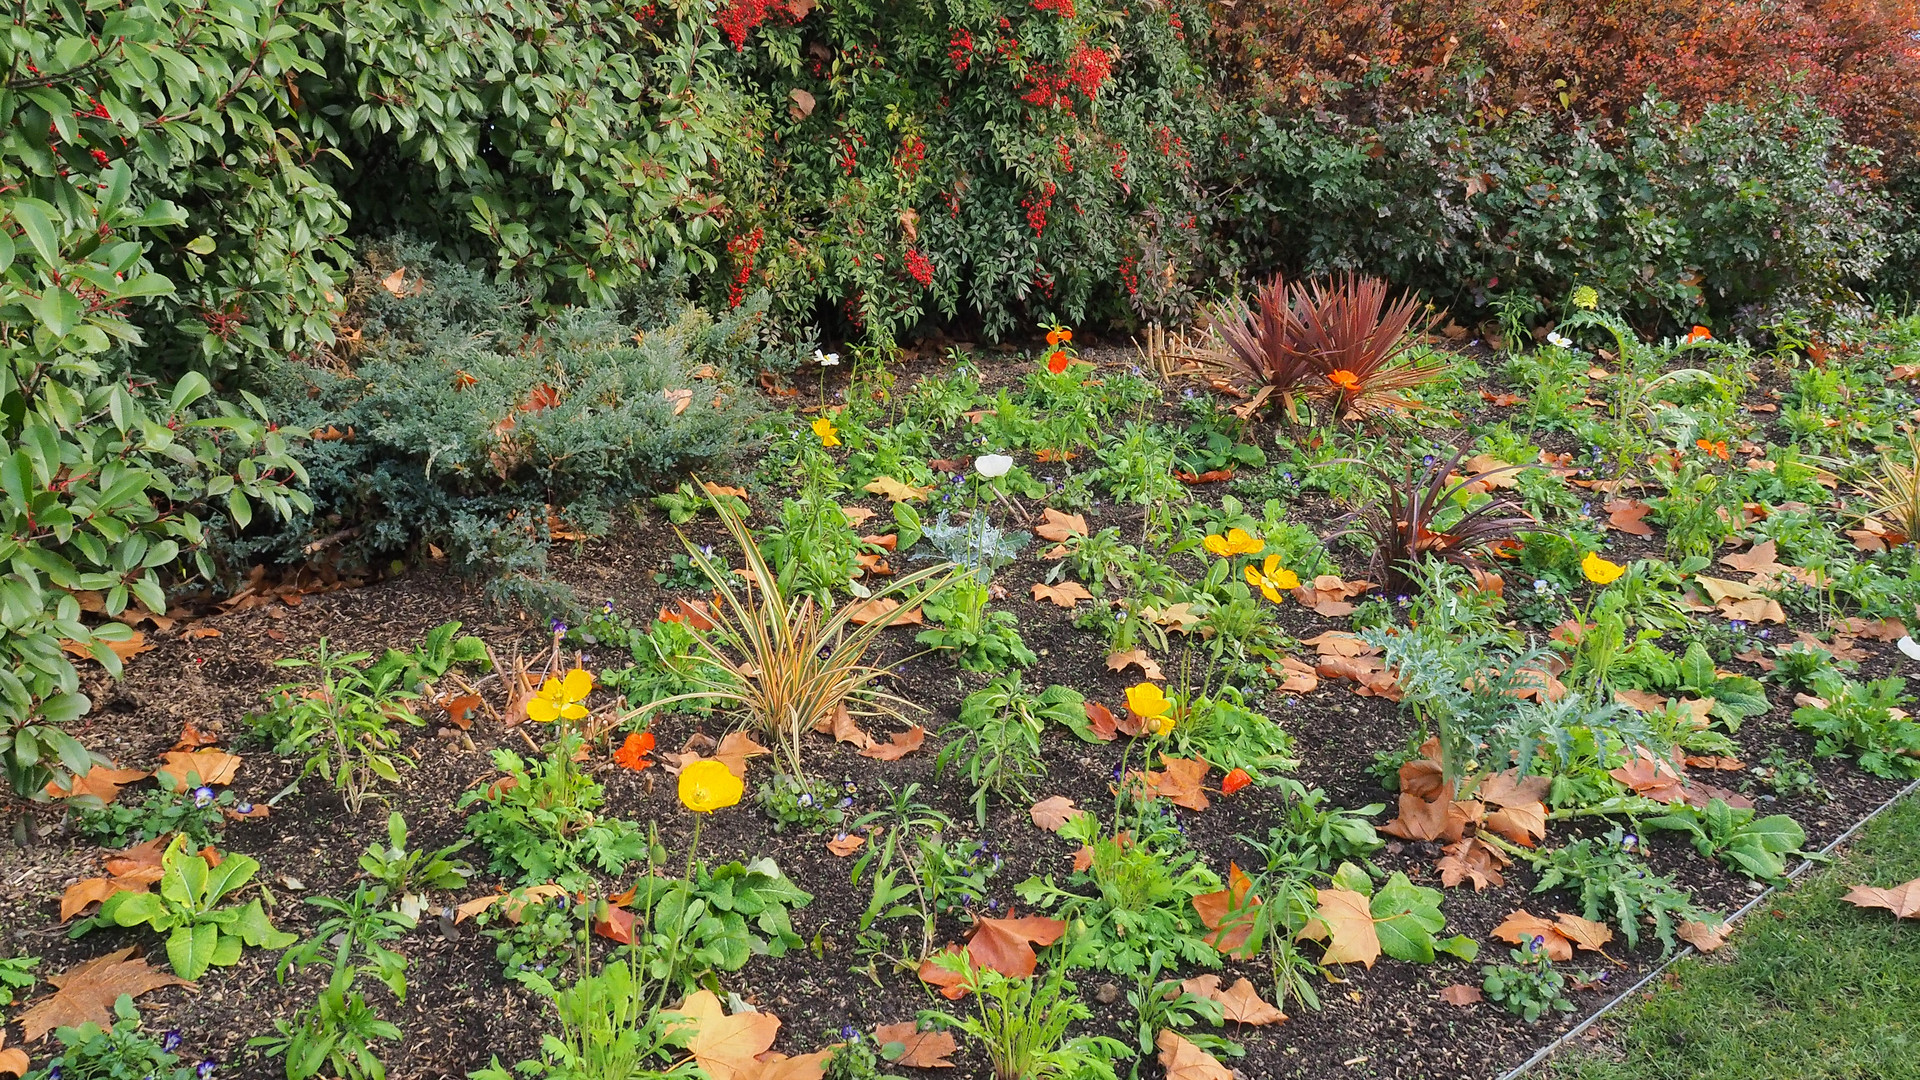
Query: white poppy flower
1561	340
826	359
992	466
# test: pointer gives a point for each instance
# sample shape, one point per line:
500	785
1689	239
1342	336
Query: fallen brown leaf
900	745
1240	1002
86	993
1053	811
916	1049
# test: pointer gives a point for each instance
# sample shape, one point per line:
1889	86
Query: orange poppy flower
1059	334
1234	781
633	753
1057	363
1713	448
1344	379
1699	333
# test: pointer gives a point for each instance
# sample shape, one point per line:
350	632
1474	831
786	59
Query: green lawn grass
1809	988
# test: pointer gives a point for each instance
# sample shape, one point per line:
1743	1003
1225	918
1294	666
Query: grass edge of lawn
1808	986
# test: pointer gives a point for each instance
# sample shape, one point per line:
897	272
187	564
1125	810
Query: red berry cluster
738	17
1064	7
911	156
1088	69
1037	208
960	50
743	247
849	153
1045	88
919	267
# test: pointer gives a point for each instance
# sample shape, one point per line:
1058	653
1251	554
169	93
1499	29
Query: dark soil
1384	1022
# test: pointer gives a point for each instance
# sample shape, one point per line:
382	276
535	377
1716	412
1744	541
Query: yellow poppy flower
707	785
1236	542
1600	571
1146	699
1163	726
1272	579
560	699
829	435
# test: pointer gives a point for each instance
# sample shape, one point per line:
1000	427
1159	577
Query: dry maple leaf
843	727
1184	1061
1759	559
99	782
1121	661
1054	811
13	1062
867	611
1344	919
1523	926
1340	643
125	650
1758	609
512	906
1462	995
1653	778
1472	860
1181	781
734	750
846	844
86	993
1628	516
1228	914
856	515
900	745
1585	933
905	1044
1703	937
727	1047
1297	676
1066	594
1006	945
890	488
1056	526
1902	900
191	770
1240	1003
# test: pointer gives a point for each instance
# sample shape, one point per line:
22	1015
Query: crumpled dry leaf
86	992
1056	526
1054	811
1184	1061
916	1049
900	745
1902	900
1121	661
1240	1002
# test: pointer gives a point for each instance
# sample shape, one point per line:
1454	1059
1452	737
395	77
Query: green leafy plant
343	722
335	1035
1757	847
1022	1023
1858	718
1140	879
186	905
201	817
534	933
997	737
1614	883
1160	1004
1315	836
120	1051
1406	917
16	977
1528	986
718	919
979	639
408	873
538	822
919	873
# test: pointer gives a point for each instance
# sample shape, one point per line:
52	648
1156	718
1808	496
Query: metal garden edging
1556	1045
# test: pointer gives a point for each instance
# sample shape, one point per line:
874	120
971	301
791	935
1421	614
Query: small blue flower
846	802
806	798
1765	633
848	1033
1401	600
55	1073
205	1068
1738	625
202	796
606	608
1427	461
1542	585
1628	841
1539	942
851	788
171	1040
558	627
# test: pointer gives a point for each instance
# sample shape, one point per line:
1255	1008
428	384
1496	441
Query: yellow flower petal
542	709
707	785
577	685
827	433
1600	571
1146	699
1241	542
1285	579
1218	545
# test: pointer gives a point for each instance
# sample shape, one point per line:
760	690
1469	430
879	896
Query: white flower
1561	340
826	359
992	466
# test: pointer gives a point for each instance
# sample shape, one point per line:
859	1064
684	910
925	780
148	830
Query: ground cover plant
1136	761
